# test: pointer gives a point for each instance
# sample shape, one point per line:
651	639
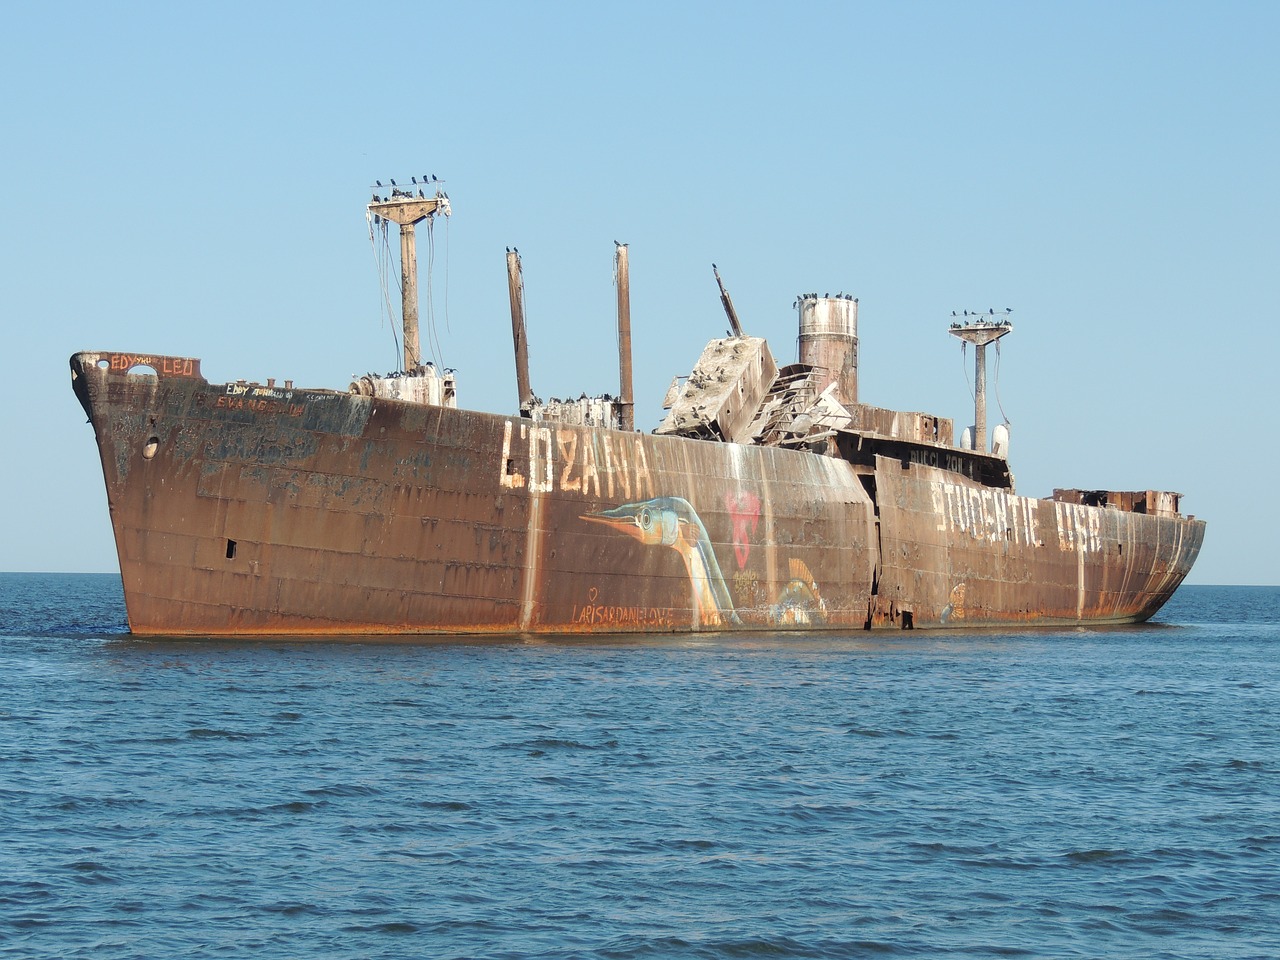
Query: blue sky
191	179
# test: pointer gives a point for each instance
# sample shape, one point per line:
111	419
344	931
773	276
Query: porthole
150	447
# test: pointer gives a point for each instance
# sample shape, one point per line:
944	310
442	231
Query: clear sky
191	179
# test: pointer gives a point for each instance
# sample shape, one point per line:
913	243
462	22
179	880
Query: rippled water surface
1076	793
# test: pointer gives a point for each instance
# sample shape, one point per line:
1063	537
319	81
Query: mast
980	329
627	415
515	290
406	211
727	303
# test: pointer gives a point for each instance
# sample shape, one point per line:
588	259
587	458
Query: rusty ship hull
243	510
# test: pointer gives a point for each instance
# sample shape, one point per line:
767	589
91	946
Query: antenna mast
980	329
406	211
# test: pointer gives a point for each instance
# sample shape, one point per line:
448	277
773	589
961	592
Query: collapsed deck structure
769	498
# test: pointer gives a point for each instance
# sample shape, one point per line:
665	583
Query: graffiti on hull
673	523
955	609
799	604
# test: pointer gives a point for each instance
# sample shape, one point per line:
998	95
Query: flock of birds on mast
825	296
398	192
969	318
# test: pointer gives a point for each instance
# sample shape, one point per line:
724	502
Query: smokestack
829	343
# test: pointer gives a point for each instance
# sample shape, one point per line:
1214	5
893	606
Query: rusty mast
406	211
981	330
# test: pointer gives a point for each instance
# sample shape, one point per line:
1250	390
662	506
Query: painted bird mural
800	603
672	522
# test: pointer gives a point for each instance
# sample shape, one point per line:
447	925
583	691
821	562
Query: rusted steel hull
255	511
957	553
249	510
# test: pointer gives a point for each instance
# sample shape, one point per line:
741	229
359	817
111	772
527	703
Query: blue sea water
1065	793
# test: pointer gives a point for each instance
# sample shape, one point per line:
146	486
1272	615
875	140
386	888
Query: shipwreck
769	498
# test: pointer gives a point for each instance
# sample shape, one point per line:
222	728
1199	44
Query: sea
1049	793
